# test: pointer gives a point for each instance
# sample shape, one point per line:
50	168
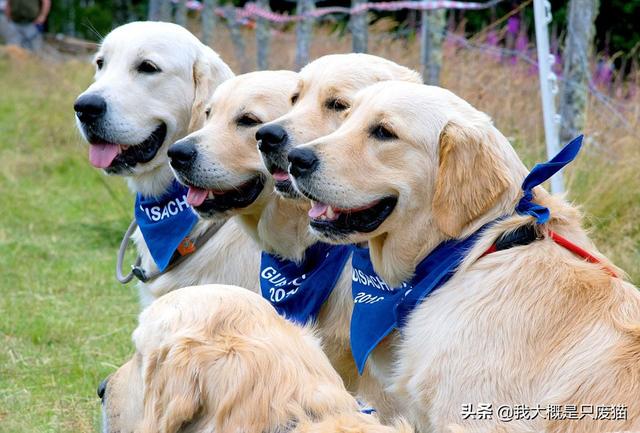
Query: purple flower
513	25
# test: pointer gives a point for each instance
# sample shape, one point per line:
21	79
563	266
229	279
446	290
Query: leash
124	279
184	251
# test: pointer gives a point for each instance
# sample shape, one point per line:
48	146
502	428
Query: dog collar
298	290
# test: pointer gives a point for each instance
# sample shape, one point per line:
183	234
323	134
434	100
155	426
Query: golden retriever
151	84
535	324
220	359
223	156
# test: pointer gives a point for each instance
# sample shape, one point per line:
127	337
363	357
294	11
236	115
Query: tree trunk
577	52
304	29
262	38
432	30
208	20
121	13
359	30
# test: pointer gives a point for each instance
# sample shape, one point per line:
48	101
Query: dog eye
207	112
381	132
294	98
99	63
148	67
336	105
247	120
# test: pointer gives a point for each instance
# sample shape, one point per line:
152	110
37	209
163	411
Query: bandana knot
539	174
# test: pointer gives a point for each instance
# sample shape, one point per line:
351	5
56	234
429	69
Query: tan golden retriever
220	359
223	156
413	166
151	84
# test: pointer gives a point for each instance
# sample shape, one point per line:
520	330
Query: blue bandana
379	309
298	290
165	222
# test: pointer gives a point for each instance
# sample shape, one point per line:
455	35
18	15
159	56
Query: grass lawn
65	323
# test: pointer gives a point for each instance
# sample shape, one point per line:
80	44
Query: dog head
219	358
151	83
412	165
219	162
323	96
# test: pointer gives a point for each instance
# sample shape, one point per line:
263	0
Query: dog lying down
220	359
526	318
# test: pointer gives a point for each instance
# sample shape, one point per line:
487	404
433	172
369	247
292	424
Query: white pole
548	85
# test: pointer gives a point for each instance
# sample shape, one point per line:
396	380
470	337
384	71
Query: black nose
271	138
102	388
182	154
90	107
302	162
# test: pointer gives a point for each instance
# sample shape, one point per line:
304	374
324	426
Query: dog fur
277	223
220	359
529	325
176	96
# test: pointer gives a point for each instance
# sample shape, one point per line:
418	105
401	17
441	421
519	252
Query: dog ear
471	177
209	71
172	391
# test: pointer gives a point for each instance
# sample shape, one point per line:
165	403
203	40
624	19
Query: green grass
65	323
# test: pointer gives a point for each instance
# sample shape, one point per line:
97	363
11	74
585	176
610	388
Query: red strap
566	243
491	249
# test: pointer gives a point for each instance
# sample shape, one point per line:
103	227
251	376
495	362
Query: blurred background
65	323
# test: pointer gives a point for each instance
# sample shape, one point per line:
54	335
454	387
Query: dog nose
271	138
182	154
302	162
102	388
90	107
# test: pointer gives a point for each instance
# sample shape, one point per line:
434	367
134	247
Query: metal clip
139	273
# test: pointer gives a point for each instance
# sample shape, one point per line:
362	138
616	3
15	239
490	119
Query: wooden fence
432	32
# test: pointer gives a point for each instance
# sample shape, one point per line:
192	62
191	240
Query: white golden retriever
223	157
151	84
533	324
220	359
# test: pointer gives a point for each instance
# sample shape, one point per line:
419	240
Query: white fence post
548	85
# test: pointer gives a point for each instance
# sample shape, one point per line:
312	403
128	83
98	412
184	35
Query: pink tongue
102	155
281	175
196	196
318	209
